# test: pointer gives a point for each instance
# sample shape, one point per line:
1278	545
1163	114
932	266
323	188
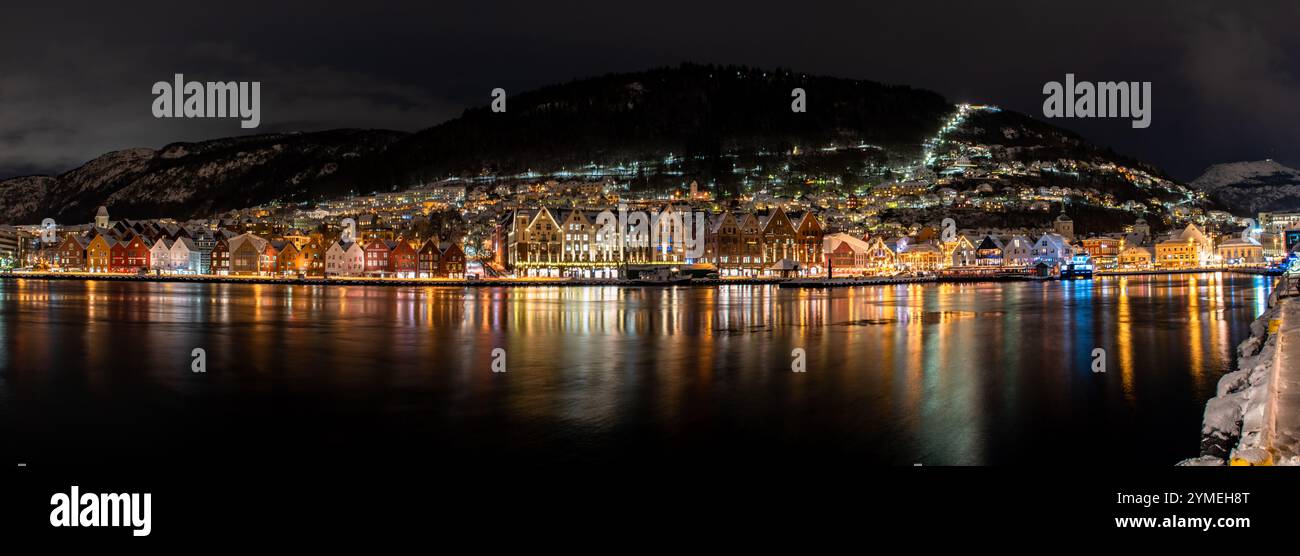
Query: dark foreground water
997	373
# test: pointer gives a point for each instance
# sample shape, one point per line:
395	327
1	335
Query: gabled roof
543	211
717	221
768	220
808	217
184	242
1238	241
838	240
345	246
238	242
989	242
80	240
1051	241
1018	240
577	214
923	247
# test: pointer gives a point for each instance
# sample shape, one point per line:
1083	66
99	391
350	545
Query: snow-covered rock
185	180
1235	418
1247	188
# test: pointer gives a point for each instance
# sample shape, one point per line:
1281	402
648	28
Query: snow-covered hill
1246	188
184	180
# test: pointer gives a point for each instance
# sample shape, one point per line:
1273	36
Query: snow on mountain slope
1246	188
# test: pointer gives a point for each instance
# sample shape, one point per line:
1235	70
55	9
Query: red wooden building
402	258
452	263
377	252
117	257
137	254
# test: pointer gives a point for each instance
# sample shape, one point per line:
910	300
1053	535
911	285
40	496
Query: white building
185	257
1019	251
1052	249
345	259
160	255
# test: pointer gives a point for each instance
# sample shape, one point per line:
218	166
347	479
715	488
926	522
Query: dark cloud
1225	81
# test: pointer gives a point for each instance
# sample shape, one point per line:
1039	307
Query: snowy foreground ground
1254	419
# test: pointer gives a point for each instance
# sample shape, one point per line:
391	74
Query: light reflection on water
937	373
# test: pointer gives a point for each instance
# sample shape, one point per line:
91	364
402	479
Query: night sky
75	80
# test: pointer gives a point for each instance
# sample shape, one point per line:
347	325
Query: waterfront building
202	243
1188	248
1018	252
452	261
99	253
1103	250
920	257
117	257
286	257
402	259
248	255
71	254
778	237
751	245
850	256
184	256
722	244
1237	250
429	260
137	254
311	258
958	252
577	239
377	257
534	243
1053	250
989	252
160	255
346	258
220	258
1136	257
809	236
11	241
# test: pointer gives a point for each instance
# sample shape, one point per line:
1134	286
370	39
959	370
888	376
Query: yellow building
1188	248
922	257
1136	257
99	254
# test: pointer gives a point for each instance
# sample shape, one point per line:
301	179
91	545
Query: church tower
1063	226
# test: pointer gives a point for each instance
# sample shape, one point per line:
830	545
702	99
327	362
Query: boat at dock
1079	266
